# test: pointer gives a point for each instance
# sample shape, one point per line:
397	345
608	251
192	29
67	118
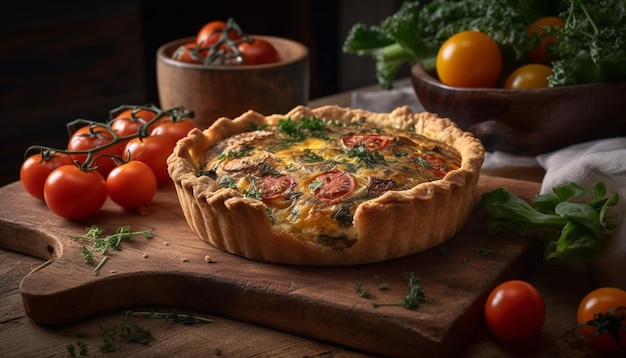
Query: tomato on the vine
211	31
129	121
539	53
258	52
602	318
152	150
89	137
36	168
515	311
131	184
534	75
173	129
469	59
74	193
184	53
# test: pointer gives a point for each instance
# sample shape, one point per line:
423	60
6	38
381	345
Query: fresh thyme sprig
413	299
102	243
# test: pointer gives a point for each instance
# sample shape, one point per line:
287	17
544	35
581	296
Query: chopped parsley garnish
245	151
369	158
311	157
302	129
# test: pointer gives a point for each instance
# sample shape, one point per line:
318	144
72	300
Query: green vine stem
225	51
98	129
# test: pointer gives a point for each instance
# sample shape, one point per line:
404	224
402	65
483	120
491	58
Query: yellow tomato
469	59
529	76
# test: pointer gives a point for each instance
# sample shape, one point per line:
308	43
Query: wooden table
562	288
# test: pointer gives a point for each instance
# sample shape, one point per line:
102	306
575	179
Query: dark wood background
71	59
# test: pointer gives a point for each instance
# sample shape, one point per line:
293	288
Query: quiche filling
312	174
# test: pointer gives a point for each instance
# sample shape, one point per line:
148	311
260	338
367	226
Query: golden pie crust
395	224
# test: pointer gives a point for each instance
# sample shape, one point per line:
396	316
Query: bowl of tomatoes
224	72
527	121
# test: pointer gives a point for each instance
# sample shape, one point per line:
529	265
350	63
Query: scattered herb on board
101	243
132	332
361	290
574	218
413	299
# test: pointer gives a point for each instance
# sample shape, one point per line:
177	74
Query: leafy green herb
413	299
227	181
592	46
311	157
267	169
304	128
314	185
360	289
102	243
343	216
83	350
245	151
576	214
127	330
365	156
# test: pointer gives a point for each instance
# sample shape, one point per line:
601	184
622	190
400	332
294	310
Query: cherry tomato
132	184
73	193
333	185
90	137
184	53
594	306
371	141
174	130
36	168
515	311
539	53
129	121
210	33
273	186
534	75
258	52
469	59
152	150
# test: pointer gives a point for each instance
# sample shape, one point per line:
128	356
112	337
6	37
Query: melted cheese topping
312	175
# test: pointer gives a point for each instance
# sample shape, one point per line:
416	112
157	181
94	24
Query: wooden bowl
228	91
531	121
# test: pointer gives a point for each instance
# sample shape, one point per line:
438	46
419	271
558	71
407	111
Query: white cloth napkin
585	164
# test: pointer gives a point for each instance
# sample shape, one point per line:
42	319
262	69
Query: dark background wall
71	59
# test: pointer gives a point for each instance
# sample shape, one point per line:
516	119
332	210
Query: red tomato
132	184
273	186
533	75
469	59
91	137
129	121
210	33
73	193
539	53
593	318
36	168
174	130
152	150
333	185
371	141
515	311
184	53
258	52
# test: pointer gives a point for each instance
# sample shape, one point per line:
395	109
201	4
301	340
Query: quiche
327	186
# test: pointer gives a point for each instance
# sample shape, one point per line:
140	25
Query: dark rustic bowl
531	121
228	91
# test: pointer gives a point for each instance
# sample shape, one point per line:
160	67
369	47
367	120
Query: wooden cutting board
318	302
